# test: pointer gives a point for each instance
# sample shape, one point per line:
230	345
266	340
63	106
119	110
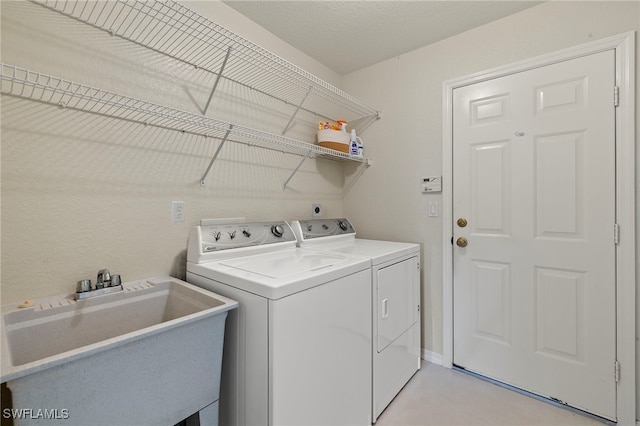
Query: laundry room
126	124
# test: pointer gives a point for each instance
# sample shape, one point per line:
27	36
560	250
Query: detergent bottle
353	144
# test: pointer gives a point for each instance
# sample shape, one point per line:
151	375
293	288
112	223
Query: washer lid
277	274
284	265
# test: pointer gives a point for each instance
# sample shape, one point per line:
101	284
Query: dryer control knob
342	225
277	230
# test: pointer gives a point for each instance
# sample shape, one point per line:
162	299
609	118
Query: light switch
433	209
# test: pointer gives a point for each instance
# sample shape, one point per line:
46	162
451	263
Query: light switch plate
434	209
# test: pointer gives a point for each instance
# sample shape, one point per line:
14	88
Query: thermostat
432	184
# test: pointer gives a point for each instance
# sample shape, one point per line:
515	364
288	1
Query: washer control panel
235	235
319	228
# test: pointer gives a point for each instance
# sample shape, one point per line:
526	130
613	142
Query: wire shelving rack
173	30
36	86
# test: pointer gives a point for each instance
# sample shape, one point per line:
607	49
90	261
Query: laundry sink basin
149	354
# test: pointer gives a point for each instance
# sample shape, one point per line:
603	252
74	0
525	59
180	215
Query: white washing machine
395	283
297	349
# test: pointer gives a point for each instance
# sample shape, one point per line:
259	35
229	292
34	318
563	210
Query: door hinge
616	233
616	96
617	371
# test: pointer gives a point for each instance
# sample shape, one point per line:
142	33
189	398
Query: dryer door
397	300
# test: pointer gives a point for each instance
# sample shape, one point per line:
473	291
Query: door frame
624	45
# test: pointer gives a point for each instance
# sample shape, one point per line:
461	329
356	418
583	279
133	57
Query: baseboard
434	358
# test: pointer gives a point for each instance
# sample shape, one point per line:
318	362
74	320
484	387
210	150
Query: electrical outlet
316	209
178	212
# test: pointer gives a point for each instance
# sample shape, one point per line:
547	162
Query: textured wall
81	192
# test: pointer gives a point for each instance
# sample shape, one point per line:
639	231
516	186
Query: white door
534	178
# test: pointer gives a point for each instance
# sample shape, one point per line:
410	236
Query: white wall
406	144
82	192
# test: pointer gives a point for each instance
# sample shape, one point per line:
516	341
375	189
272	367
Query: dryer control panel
319	228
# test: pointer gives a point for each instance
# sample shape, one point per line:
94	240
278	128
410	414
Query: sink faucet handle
83	286
115	280
104	278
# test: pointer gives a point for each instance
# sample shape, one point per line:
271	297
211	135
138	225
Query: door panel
534	176
396	301
491	313
490	177
559	199
561	96
560	313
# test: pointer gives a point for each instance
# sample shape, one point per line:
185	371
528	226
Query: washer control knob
277	230
342	225
246	233
232	235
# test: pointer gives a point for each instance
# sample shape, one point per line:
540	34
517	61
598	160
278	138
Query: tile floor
444	397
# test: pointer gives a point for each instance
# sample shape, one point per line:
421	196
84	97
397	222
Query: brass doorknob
462	222
462	242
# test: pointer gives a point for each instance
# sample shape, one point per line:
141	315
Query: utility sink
149	354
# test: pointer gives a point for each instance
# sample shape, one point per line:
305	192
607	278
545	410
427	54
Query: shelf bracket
215	85
215	155
284	185
296	111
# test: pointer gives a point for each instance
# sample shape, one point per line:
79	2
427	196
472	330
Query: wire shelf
32	85
182	34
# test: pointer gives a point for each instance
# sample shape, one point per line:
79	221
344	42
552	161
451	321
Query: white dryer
297	349
395	283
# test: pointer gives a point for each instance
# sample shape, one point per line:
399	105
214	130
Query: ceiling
349	35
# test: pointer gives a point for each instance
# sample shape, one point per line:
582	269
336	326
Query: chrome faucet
104	279
105	284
